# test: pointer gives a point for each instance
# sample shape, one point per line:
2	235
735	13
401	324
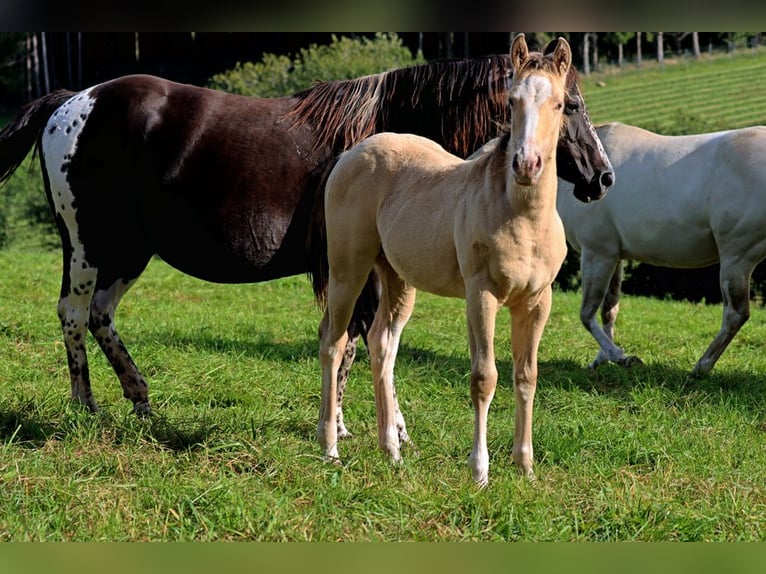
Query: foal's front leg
528	320
481	312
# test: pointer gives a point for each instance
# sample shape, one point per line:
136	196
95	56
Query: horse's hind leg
333	336
735	288
364	314
77	286
397	301
101	323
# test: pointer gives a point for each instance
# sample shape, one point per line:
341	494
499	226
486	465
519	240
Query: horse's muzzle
596	188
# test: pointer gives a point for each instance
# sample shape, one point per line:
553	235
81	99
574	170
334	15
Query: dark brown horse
221	186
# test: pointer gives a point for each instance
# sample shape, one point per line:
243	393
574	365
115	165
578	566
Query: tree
660	48
620	39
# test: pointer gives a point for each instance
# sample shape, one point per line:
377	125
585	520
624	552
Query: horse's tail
316	242
319	266
23	131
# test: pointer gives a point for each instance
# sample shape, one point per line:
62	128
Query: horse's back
190	171
394	193
673	196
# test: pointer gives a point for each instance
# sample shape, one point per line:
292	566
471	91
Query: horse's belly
673	246
426	267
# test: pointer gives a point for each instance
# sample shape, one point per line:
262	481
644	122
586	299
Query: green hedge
343	59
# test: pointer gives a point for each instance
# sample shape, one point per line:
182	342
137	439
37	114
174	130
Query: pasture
230	453
720	91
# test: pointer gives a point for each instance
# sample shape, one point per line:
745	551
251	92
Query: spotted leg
77	286
102	310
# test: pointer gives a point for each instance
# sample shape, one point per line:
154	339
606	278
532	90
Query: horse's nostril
607	179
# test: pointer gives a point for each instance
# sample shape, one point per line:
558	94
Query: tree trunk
619	55
44	58
35	66
696	45
660	48
586	53
638	49
595	51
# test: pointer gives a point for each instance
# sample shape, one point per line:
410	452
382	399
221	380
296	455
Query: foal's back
399	194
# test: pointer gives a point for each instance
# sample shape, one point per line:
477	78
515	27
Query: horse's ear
562	56
519	51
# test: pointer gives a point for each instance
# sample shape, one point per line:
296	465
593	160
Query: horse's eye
572	106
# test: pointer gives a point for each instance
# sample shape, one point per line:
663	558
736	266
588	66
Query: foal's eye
558	106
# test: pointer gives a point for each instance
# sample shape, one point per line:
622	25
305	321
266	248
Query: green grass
230	453
719	91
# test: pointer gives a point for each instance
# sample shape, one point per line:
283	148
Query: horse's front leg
481	312
528	320
598	273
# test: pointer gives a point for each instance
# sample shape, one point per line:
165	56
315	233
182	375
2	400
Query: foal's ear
562	56
519	51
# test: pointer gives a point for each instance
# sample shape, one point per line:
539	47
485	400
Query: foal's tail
319	266
316	242
23	132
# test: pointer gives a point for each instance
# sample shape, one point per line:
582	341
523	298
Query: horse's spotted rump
59	146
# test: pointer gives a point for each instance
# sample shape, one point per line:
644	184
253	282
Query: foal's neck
533	201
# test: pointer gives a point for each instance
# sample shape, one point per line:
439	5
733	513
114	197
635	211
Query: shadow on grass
609	379
27	425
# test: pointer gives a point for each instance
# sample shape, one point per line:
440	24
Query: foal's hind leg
102	310
333	336
397	301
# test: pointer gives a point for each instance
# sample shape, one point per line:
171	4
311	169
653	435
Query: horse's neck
534	202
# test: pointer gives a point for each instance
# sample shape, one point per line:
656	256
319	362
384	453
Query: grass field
716	92
641	454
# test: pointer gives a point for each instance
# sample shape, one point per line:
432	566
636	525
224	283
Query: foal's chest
521	261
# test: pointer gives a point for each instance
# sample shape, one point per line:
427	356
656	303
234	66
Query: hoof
630	361
142	409
699	371
331	459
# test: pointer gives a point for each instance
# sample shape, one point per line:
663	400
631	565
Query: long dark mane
459	103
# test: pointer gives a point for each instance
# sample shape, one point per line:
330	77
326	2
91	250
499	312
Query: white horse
679	201
484	229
